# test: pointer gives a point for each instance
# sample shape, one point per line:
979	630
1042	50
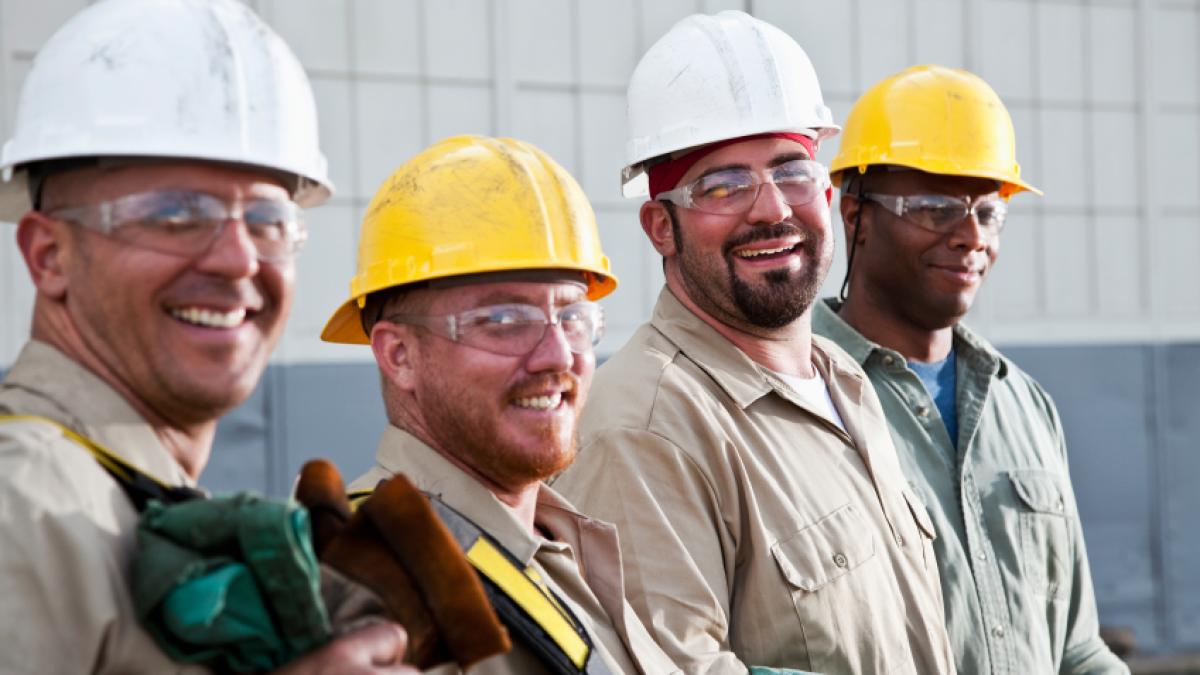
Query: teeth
210	318
762	251
539	402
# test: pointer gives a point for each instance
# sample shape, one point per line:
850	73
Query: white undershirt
814	392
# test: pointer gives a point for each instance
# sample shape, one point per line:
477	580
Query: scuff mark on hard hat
107	55
679	74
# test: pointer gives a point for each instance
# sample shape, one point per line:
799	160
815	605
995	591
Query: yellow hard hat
935	119
469	205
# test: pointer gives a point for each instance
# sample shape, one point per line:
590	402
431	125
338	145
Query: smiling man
479	267
764	518
926	168
162	153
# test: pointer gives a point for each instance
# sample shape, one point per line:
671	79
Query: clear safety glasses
733	191
186	223
513	330
940	213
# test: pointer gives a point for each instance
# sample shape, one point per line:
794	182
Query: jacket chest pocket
1044	519
845	602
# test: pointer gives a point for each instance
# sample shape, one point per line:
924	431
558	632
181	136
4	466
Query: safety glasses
941	213
734	191
513	329
186	223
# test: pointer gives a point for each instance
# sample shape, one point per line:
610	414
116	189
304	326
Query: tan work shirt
580	558
755	531
67	530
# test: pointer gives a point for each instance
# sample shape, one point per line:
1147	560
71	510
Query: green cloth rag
231	583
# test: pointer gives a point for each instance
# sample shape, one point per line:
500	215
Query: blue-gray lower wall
1130	414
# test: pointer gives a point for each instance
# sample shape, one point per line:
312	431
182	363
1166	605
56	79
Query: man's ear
851	209
395	348
656	223
46	247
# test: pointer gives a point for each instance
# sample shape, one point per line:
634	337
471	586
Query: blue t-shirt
939	379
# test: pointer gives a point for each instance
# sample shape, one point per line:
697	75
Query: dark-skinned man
926	167
765	522
162	153
479	267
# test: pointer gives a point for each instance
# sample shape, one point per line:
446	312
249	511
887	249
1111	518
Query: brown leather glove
397	547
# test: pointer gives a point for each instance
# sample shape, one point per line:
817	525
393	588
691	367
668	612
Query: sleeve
1085	652
678	553
66	607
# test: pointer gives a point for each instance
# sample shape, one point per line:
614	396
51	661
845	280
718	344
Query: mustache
762	233
568	383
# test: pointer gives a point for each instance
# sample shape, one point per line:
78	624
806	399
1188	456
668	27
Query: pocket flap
825	550
919	514
1039	490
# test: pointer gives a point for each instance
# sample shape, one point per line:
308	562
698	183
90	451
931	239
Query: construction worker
162	152
479	265
926	168
764	518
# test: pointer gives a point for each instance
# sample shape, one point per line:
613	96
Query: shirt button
982	555
889	360
923	411
899	541
839	560
997	631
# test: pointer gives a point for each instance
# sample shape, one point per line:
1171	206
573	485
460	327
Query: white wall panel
547	119
631	256
938	33
27	24
1174	158
1113	54
884	36
1178	242
458	38
1067	275
1115	163
1064	158
1120	247
826	34
1003	30
608	42
542	39
387	36
1014	285
658	16
336	126
323	272
603	155
1060	74
1173	55
455	110
388	130
316	30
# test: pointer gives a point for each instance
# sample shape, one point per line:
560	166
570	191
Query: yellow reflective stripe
537	579
525	592
105	457
357	497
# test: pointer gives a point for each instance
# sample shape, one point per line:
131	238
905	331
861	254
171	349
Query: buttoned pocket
1044	523
925	525
844	601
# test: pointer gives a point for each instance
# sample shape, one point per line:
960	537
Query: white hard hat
192	79
712	78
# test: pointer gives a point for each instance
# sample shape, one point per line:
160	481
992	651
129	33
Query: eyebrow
560	298
778	160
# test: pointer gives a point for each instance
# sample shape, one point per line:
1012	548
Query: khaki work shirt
580	560
67	530
755	531
1014	569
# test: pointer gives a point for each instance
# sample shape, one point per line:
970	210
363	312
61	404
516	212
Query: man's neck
190	445
886	329
786	350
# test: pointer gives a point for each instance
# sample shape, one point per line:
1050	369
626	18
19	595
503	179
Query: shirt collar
968	344
401	452
63	390
741	378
